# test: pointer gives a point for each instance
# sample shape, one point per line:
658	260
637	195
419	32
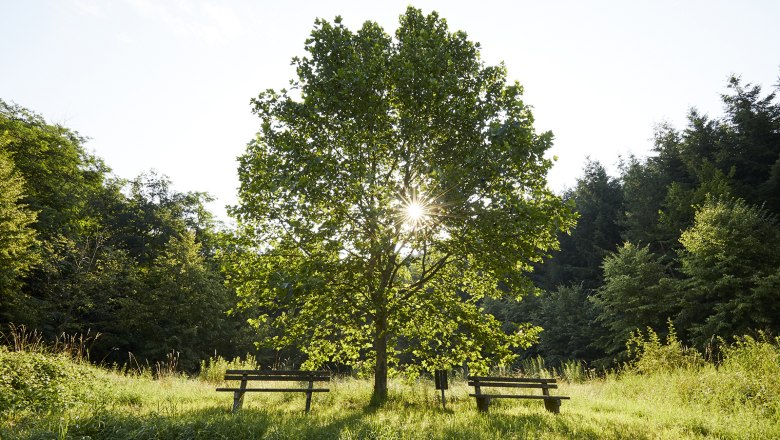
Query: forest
685	239
86	252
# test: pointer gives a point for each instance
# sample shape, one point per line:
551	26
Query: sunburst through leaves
416	211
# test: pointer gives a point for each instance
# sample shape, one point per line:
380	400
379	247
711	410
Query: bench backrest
512	382
286	376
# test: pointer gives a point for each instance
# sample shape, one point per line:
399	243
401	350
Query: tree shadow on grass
209	423
275	422
534	426
507	422
206	423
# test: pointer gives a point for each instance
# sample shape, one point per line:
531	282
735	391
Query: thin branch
416	286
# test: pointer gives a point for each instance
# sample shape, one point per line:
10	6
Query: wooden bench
551	403
246	376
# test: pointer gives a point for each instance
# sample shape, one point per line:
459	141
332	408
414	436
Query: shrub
535	367
213	369
39	382
749	373
650	356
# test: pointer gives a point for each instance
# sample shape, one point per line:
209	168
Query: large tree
637	293
17	237
397	183
730	258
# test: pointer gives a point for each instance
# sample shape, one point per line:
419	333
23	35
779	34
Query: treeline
84	252
689	236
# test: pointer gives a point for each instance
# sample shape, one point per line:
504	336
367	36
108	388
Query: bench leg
238	400
483	403
553	405
308	402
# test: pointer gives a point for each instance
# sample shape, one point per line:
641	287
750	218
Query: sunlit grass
631	406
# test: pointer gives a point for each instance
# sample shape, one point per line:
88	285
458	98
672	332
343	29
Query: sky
165	85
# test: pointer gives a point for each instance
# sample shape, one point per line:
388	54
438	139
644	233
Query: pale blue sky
166	84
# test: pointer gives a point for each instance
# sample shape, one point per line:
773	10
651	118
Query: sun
415	212
418	211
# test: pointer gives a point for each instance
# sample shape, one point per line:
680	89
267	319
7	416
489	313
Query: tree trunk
380	370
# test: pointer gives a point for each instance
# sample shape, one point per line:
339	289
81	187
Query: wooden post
552	405
483	403
308	396
441	383
238	396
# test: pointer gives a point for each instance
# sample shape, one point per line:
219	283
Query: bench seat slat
510	379
551	403
265	377
540	386
280	372
245	376
518	396
279	390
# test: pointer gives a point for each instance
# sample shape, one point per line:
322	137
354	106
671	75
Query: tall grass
19	338
53	396
213	369
746	377
569	370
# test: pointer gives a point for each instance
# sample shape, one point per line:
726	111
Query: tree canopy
83	251
697	222
730	258
394	186
17	237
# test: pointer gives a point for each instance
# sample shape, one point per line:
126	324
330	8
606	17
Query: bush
213	369
650	356
535	367
749	374
39	382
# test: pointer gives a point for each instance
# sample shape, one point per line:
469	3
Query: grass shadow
214	422
525	420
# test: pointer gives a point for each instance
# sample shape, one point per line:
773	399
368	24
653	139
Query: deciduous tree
17	237
394	186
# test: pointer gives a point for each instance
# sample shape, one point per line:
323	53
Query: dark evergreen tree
570	325
637	293
749	147
598	199
570	277
731	261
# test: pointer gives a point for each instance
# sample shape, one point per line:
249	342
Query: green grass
115	406
668	392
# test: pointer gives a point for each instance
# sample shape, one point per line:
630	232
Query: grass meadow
46	395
